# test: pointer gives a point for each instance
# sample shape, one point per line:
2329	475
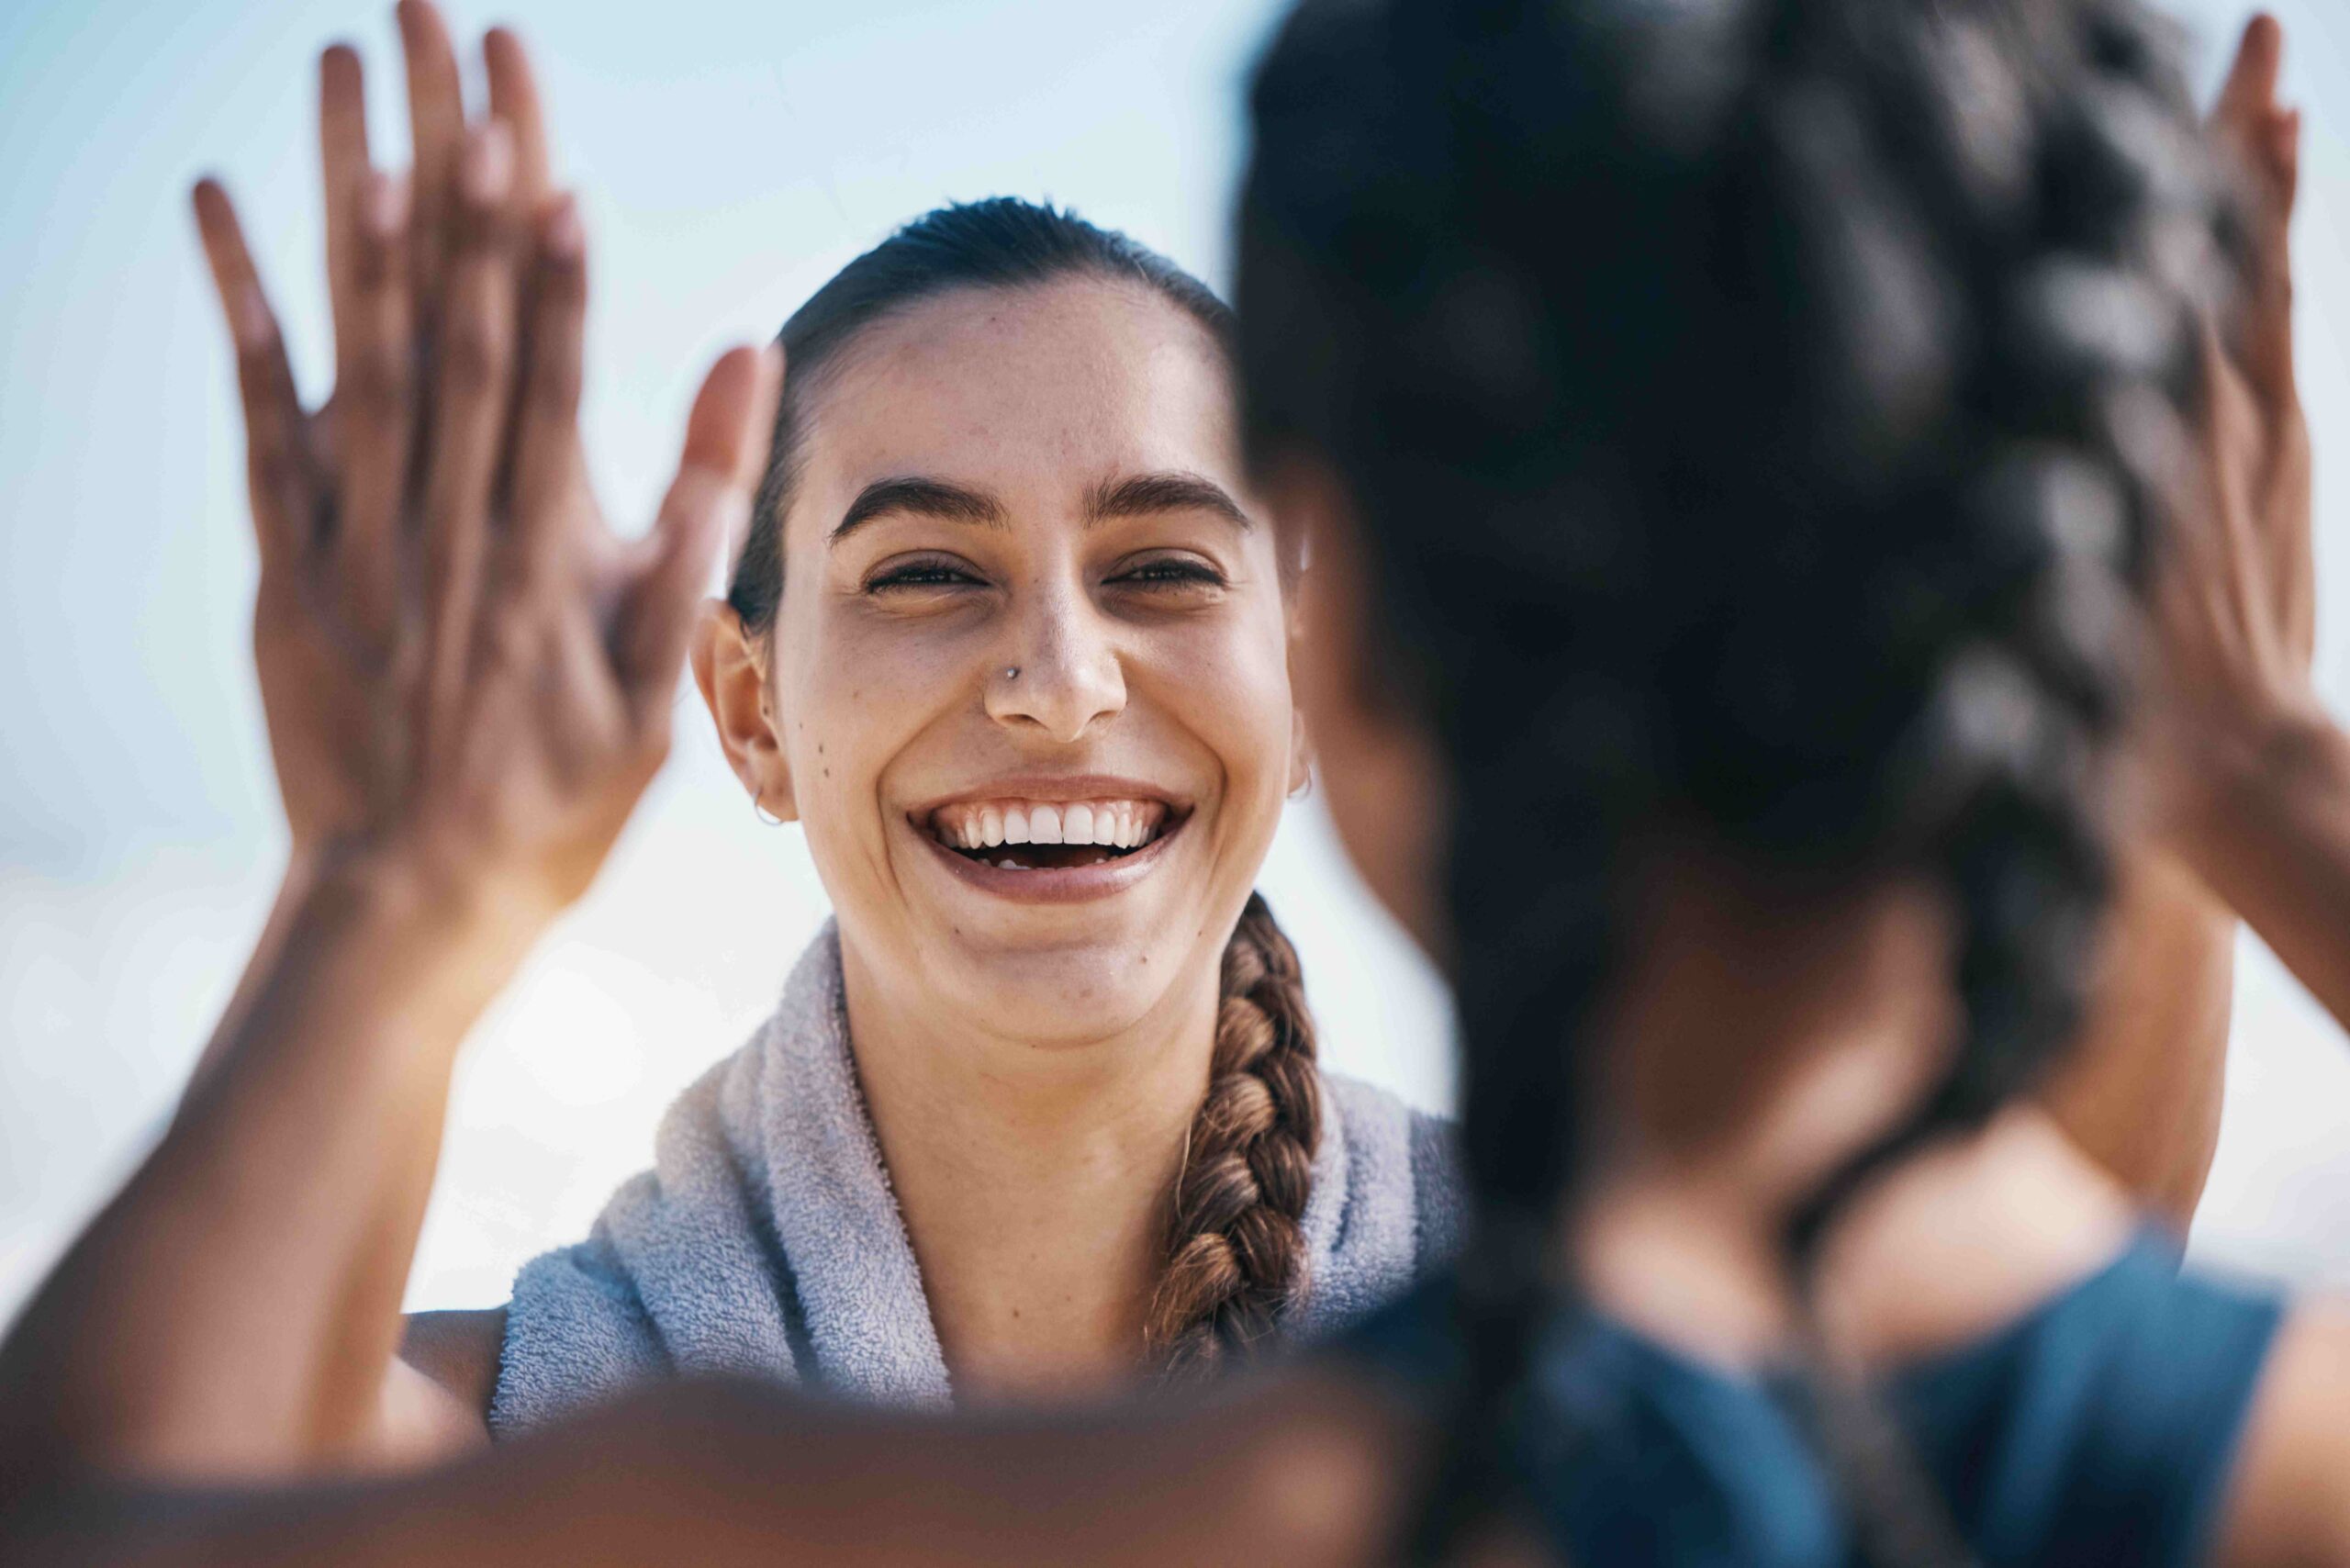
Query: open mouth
1050	835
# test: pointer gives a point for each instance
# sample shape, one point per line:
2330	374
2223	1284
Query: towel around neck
765	1240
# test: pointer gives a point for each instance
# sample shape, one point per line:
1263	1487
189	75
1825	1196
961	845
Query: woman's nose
1060	678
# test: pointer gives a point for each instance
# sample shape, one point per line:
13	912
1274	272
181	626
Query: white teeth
1112	824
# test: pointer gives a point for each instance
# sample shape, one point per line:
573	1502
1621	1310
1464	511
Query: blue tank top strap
2100	1427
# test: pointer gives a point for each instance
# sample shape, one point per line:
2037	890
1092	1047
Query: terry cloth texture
765	1240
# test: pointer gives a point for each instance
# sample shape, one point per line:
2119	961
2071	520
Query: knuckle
378	382
514	642
474	355
555	381
272	469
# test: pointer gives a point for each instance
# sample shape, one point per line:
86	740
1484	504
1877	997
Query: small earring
759	809
1304	785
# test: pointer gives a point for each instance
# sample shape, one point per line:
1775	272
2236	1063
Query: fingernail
562	238
489	163
383	207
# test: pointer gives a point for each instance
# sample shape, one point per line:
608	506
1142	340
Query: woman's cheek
1236	698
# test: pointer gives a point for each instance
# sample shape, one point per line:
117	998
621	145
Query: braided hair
1758	413
1235	1252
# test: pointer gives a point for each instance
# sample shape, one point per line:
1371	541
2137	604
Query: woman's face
1042	481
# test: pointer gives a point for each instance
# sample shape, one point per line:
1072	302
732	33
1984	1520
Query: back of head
1756	411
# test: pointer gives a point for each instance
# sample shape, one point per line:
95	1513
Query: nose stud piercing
1012	672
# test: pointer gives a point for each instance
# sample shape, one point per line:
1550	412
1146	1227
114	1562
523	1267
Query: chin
1062	993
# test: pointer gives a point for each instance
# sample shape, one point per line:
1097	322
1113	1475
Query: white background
729	156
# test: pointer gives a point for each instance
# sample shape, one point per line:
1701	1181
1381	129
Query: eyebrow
921	498
1142	495
1136	495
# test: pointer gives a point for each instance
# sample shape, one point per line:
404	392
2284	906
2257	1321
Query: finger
473	377
276	443
2260	143
514	98
547	418
344	169
2268	334
375	404
2249	93
436	110
727	436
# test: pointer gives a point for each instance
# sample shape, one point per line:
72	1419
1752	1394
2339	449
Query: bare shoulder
1966	1238
2287	1502
458	1351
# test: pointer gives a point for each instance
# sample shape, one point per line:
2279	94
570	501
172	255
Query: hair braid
1686	322
1236	1256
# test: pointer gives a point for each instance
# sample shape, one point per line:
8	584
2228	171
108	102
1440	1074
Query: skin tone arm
2141	1092
1303	1470
2255	776
515	702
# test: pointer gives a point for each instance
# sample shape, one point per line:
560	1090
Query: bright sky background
730	157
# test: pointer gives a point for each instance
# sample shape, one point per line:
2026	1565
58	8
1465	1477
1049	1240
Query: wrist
423	914
2249	773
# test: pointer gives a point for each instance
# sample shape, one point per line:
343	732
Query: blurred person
1772	1262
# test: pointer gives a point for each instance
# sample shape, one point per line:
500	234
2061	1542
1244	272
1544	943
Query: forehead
1035	394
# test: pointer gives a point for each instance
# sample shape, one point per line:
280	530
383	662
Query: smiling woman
1009	638
1036	1117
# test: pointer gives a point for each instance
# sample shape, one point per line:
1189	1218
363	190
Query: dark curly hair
1756	410
1234	1248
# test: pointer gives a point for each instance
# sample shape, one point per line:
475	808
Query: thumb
727	437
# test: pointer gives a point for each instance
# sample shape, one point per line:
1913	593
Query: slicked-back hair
1235	1252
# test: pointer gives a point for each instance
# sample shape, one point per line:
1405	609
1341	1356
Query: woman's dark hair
1235	1251
1756	413
1001	244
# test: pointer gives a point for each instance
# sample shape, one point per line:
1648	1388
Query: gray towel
766	1239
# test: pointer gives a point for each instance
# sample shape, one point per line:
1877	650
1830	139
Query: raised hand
458	660
469	682
2236	608
333	497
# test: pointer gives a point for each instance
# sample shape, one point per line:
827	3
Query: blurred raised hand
468	681
456	657
2235	606
2233	623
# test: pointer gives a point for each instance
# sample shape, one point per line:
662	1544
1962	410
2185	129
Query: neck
1763	1040
1034	1180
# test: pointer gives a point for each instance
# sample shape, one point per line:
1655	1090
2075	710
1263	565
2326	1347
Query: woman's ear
1382	777
732	676
1301	752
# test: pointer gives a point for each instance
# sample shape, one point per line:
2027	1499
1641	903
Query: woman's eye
920	575
1171	572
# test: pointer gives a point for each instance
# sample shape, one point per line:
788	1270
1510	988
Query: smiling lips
1047	835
